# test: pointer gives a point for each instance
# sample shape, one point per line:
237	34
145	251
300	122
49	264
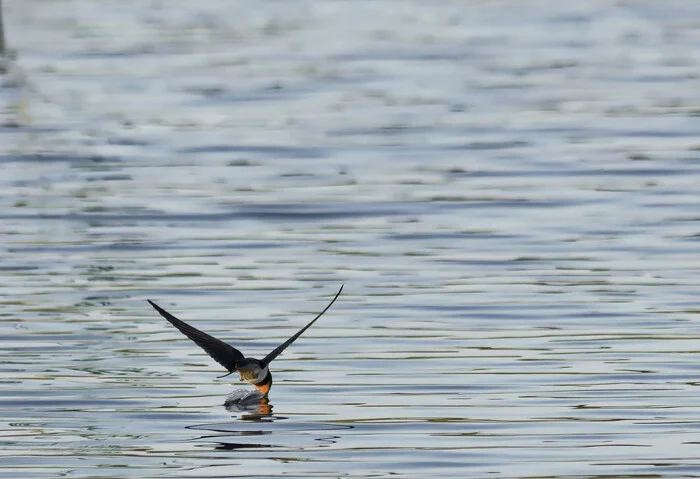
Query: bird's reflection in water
252	403
255	427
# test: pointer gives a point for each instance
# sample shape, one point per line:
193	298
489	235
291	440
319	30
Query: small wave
243	400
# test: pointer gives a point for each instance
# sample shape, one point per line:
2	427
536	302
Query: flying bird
255	371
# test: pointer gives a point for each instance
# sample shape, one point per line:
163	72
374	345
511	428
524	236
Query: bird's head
251	370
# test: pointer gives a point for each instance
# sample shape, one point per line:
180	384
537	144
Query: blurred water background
509	191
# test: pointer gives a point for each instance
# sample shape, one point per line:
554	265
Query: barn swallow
255	371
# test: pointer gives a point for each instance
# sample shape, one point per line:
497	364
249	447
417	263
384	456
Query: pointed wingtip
155	306
278	350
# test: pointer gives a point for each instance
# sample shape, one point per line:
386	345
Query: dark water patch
421	54
127	141
293	212
18	268
258	150
576	172
488	145
181	417
62	405
108	177
454	202
510	261
110	54
267	212
50	158
272	92
383	131
142	246
449	236
69	334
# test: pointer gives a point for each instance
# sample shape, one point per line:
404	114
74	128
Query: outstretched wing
278	350
223	353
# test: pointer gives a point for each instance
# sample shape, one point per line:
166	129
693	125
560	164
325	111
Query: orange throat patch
265	385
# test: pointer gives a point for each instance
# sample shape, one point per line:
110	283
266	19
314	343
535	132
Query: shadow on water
257	427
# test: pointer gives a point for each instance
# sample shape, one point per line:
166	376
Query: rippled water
509	191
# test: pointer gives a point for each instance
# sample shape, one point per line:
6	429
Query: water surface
508	191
